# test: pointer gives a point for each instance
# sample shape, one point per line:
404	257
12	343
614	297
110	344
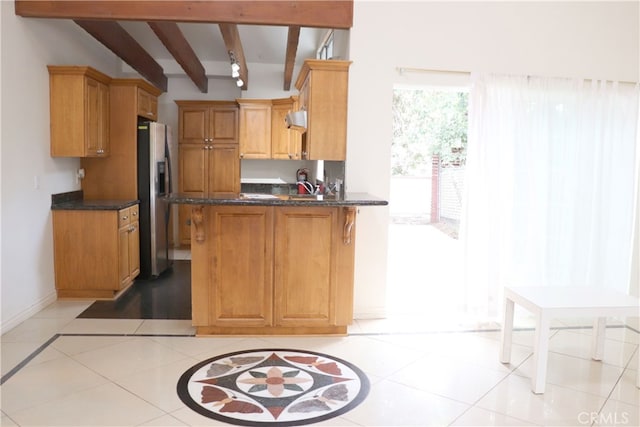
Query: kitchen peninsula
266	264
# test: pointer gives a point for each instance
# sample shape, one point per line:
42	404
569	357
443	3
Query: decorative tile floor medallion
273	387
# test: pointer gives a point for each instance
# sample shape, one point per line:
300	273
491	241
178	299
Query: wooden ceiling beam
172	38
293	38
305	13
113	36
232	41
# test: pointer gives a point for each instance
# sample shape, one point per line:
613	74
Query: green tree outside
428	123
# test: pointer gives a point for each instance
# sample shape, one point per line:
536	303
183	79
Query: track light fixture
235	69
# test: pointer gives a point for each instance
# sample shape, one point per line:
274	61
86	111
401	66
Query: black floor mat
166	297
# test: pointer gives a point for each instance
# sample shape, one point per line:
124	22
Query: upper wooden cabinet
255	128
79	111
147	105
323	86
285	143
208	153
115	177
263	130
207	122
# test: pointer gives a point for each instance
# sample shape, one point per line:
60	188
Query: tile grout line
626	367
474	404
28	359
464	331
50	341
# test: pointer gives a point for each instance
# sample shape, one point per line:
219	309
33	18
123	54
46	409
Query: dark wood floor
167	297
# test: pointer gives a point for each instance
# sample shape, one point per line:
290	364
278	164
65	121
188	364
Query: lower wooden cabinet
241	271
305	266
96	252
266	270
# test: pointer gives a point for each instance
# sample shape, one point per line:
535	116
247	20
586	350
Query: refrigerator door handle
167	177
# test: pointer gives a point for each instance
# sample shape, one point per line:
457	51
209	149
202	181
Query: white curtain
550	185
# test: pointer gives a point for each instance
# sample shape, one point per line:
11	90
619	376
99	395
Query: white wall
591	39
28	46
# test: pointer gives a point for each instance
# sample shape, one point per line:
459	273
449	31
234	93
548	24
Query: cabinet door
193	165
223	169
97	123
147	105
305	270
123	256
303	96
192	169
134	250
285	143
241	268
184	224
255	131
224	125
86	253
193	125
327	109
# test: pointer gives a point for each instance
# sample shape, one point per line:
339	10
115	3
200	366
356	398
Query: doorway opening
427	181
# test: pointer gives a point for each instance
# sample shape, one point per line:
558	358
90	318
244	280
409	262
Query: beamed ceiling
195	31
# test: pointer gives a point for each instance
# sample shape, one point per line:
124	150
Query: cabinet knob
132	229
125	217
134	214
241	155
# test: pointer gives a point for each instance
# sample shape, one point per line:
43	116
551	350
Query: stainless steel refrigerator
154	182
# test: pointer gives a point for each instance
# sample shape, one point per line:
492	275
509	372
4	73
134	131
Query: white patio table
548	302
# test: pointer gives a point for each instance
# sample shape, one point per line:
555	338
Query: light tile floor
62	371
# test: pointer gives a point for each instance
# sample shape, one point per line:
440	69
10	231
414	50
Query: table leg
540	353
597	339
507	331
638	371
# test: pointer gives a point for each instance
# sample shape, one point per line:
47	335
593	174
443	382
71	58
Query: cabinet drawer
124	217
133	213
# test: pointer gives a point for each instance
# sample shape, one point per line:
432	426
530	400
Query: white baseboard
6	326
369	313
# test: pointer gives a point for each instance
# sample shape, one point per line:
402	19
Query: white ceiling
261	44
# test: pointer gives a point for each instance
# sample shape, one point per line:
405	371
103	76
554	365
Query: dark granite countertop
74	201
93	205
261	199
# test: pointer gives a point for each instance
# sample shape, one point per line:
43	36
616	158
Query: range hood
297	120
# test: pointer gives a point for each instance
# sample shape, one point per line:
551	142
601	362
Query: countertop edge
350	199
93	205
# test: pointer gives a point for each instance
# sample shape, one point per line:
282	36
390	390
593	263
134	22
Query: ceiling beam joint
293	38
172	38
115	38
